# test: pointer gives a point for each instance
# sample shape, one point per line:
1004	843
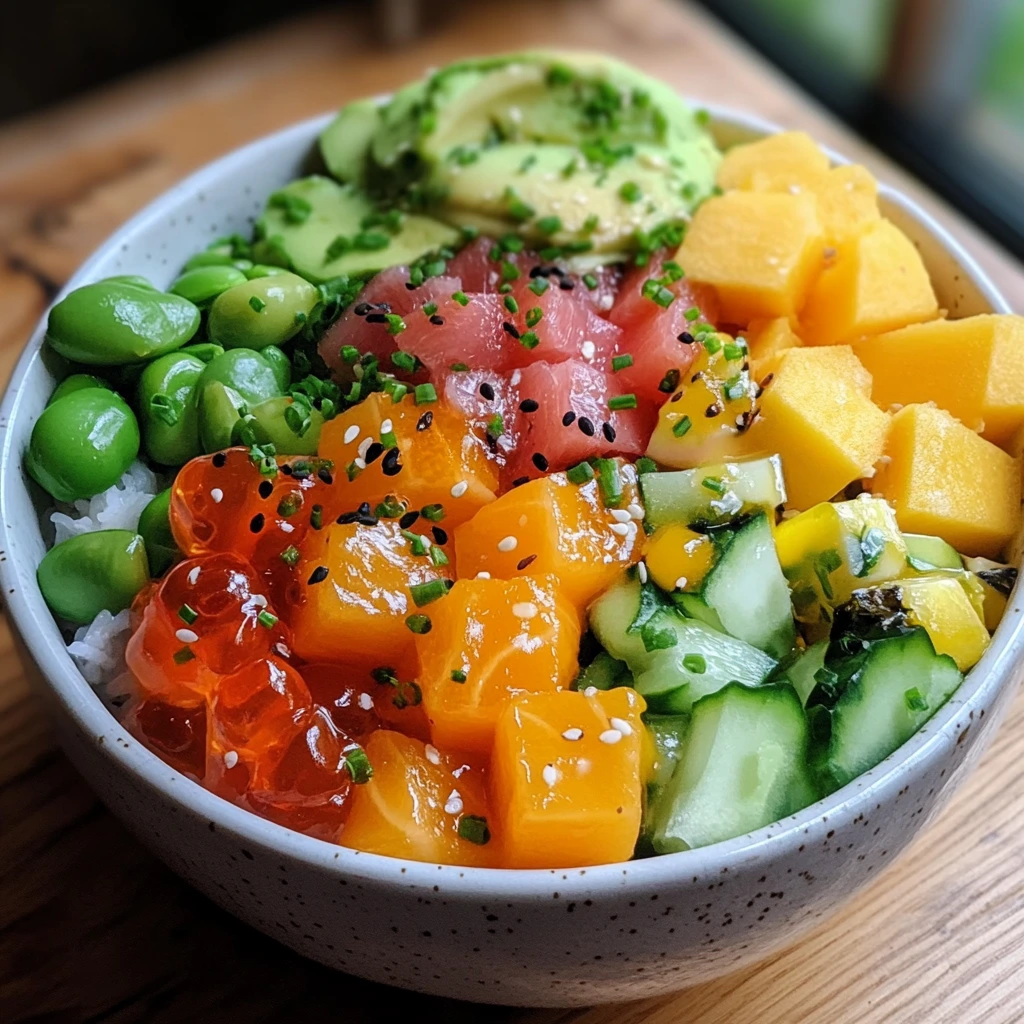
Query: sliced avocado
340	211
345	142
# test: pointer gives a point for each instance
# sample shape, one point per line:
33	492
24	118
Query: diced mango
434	458
413	804
489	640
355	596
972	368
847	202
767	338
675	553
942	606
760	251
876	282
560	528
815	413
567	778
773	163
942	478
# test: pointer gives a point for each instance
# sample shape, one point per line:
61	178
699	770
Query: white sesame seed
635	511
610	736
606	303
590	691
459	489
359	462
641	571
187	636
230	759
508	543
283	650
588	350
619	528
454	804
385	427
363	446
524	610
622	725
483	575
287	528
193	575
572	734
517	376
217	494
681	583
620	515
351	433
550	774
432	754
365	701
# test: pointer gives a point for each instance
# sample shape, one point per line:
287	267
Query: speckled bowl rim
25	607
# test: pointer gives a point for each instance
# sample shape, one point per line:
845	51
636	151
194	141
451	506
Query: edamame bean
216	258
82	443
85	574
135	279
204	350
264	311
167	408
111	323
269	422
155	529
204	284
282	365
220	411
75	382
264	270
246	371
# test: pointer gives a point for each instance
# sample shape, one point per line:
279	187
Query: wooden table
92	928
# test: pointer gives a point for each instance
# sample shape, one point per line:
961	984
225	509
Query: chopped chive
609	481
529	340
682	427
630	191
389	440
714	484
621	362
622	402
534	315
509	271
435	512
187	614
459	367
458	676
290	555
496	426
267	619
713	344
461	298
655	639
437	556
734	388
416	542
430	308
474	829
695	663
539	285
424	593
419	624
646	465
549	225
183	656
693	313
289	505
390	508
511	305
590	225
352	470
590	281
580	473
734	351
673	272
425	393
404	361
358	765
395	323
316	517
915	700
349	354
257	304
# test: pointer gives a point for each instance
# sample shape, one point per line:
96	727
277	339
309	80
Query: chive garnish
437	556
534	316
630	191
539	285
621	362
183	656
424	593
458	676
290	555
257	304
529	340
714	484
187	614
695	663
474	829
435	513
580	473
622	402
358	765
511	305
266	619
425	393
461	298
419	624
609	481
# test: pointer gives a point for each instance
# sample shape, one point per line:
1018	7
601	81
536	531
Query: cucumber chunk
931	552
612	614
801	669
603	673
743	767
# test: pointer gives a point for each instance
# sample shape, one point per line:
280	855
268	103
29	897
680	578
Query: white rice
98	649
117	508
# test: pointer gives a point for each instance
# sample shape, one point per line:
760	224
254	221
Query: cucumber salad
537	486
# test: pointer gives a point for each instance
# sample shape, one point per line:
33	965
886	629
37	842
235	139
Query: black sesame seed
528	405
524	562
520	480
440	537
325	475
390	466
437	320
676	397
376	318
568	418
383	306
220	460
425	420
556	271
286	469
586	426
256	523
410	286
374	452
538	271
362	308
566	285
510	329
540	462
695	378
609	432
364	509
767	380
686	338
487	391
266	488
408	519
318	575
712	410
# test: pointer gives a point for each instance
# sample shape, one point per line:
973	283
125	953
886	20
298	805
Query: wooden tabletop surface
93	928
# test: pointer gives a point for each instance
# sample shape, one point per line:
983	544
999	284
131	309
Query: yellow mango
847	201
760	251
767	338
773	163
943	479
567	776
941	605
816	414
676	553
972	368
876	282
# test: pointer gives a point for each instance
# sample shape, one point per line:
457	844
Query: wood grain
94	929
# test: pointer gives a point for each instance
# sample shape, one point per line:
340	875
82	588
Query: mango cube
773	163
561	528
760	251
489	640
986	391
876	282
768	338
567	778
942	606
943	479
847	201
815	412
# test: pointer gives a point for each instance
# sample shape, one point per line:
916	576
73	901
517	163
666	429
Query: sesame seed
385	427
540	461
482	575
193	575
635	511
265	489
408	519
283	650
550	774
365	701
641	571
363	447
572	734
524	562
621	725
220	460
681	583
230	759
528	405
437	321
620	515
568	418
588	349
509	543
609	432
520	480
217	495
524	610
187	636
459	489
257	522
620	529
374	450
351	433
425	420
318	575
610	736
432	754
590	691
586	426
454	804
486	391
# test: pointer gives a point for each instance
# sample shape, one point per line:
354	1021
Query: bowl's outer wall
536	938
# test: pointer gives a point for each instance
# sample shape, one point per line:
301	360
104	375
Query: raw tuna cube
470	334
468	392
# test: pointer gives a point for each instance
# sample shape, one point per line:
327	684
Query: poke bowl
522	566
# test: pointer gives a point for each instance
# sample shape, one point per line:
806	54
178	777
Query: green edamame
82	443
85	574
155	529
264	270
281	364
270	422
263	311
167	408
135	279
112	322
216	258
220	410
75	382
204	284
246	371
204	350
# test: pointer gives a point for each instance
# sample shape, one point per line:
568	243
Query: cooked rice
98	649
117	508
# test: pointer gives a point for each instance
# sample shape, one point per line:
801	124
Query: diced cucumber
744	766
603	673
898	684
801	669
612	614
699	661
712	494
931	552
745	593
668	734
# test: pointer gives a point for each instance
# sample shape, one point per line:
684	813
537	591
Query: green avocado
345	142
338	236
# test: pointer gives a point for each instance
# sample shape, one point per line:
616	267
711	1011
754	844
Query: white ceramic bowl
562	937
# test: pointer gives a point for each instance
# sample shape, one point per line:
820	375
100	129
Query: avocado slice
340	211
345	142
